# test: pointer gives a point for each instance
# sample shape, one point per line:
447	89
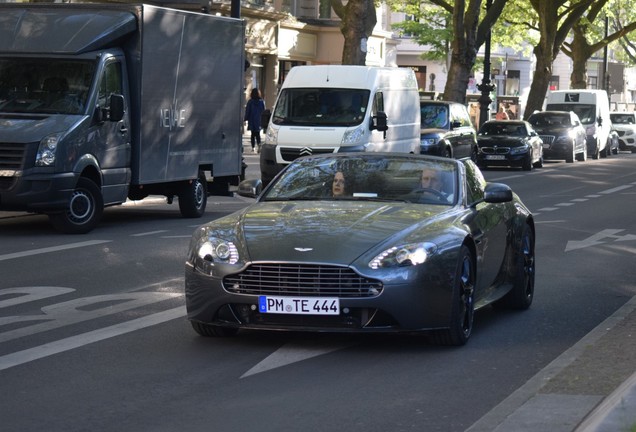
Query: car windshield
44	86
586	112
503	128
542	120
321	106
434	116
623	118
363	178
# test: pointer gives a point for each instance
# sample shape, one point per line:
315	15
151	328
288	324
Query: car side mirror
455	124
116	108
599	119
497	193
379	122
250	188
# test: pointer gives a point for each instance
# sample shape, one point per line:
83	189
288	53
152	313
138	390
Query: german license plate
299	305
546	146
495	157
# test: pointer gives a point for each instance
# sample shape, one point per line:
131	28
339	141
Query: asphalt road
93	335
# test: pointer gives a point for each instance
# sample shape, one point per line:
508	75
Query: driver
432	184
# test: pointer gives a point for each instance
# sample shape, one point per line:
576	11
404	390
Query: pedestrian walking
253	110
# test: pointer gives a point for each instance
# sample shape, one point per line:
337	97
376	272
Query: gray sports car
363	242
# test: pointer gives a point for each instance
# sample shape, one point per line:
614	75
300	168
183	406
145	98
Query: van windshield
586	112
44	86
321	106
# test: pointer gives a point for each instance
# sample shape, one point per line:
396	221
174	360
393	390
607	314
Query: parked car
625	125
447	130
390	255
512	143
562	134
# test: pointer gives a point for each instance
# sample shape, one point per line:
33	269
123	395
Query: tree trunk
540	80
357	21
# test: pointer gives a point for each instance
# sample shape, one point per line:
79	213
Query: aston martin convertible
364	242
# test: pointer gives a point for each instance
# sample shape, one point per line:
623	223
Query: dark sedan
364	242
562	134
511	143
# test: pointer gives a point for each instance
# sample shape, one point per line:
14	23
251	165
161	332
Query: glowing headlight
46	151
405	255
217	250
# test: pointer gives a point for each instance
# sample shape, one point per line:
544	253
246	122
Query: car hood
432	131
500	140
34	127
334	232
552	130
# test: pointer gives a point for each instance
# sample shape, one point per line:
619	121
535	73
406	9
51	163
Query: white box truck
100	103
592	107
341	108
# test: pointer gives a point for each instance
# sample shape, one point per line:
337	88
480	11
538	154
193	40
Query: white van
338	108
592	107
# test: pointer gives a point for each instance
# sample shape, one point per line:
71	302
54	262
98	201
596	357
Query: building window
592	82
325	9
284	66
554	82
513	86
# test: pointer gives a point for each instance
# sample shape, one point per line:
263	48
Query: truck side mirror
116	107
379	122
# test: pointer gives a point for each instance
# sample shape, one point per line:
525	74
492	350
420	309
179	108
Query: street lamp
486	87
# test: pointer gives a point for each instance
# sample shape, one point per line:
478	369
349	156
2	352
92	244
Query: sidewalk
589	388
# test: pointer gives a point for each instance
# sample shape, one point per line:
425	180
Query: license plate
546	146
495	157
299	305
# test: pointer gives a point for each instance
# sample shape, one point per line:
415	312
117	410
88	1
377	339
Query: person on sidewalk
253	110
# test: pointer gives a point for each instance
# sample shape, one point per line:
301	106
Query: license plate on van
299	305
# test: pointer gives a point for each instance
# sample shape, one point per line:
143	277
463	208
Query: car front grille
495	150
11	156
547	139
308	280
620	133
291	154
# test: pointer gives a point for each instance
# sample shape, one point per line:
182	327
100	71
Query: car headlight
206	251
271	136
353	136
427	142
518	150
404	255
47	150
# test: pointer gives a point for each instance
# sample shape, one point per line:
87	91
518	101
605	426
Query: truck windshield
586	112
44	86
321	106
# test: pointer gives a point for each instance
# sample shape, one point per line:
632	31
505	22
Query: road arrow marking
598	239
292	353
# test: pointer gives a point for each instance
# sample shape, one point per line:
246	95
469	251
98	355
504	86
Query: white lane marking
552	221
32	252
28	294
578	200
592	196
545	209
566	204
292	353
148	233
616	189
62	345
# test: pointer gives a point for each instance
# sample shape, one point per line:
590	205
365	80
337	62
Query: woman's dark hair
255	94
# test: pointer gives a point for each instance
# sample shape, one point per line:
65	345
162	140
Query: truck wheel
84	209
193	198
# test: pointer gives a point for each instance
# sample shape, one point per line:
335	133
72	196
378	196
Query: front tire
463	306
193	198
522	293
84	209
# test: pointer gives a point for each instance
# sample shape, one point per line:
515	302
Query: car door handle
123	129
